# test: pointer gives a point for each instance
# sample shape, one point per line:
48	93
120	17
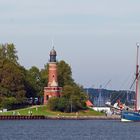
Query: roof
53	52
88	103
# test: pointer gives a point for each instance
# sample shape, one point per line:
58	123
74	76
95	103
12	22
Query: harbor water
68	130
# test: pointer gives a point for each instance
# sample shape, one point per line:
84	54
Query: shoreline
41	117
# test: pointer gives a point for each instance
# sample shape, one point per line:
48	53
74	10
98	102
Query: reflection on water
68	130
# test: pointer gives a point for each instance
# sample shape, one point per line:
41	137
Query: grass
42	110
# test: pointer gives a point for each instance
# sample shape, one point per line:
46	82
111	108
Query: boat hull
130	116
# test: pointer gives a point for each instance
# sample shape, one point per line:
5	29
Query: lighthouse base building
52	90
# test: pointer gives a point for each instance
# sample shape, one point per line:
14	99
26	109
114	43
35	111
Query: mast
137	78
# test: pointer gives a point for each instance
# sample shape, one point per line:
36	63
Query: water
68	130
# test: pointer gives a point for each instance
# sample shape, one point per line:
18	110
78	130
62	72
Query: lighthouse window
52	58
47	97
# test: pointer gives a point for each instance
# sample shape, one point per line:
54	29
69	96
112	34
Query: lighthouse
52	89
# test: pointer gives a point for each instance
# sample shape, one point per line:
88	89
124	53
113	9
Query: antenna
137	76
137	44
53	43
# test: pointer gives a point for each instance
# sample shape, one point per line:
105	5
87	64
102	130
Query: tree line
18	84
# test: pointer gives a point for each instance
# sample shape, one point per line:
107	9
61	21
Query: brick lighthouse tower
52	90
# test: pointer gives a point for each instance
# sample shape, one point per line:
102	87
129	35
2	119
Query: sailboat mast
137	77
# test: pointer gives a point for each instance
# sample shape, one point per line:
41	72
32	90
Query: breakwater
41	117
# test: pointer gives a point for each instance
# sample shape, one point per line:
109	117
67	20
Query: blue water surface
68	130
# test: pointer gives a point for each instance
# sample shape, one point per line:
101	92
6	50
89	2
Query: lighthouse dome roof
53	52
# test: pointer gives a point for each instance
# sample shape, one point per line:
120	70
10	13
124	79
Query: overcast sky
96	37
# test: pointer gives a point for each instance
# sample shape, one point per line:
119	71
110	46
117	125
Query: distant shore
42	117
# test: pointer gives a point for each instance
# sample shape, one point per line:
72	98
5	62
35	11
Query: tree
11	76
12	82
8	51
53	103
11	53
8	103
75	96
64	74
2	51
73	99
17	83
35	82
44	75
63	104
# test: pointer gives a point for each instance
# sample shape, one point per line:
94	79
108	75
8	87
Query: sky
97	38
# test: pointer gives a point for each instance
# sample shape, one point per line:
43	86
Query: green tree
8	51
8	102
73	99
53	103
64	74
12	81
2	51
75	96
11	53
63	104
44	75
35	82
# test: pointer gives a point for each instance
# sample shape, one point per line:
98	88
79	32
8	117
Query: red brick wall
52	73
51	92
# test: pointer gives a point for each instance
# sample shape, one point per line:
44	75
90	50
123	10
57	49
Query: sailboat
134	115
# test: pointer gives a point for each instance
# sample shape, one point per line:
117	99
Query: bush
8	103
62	104
53	103
72	99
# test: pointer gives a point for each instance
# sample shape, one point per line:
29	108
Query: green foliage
72	100
8	51
63	105
17	83
8	102
11	78
12	83
53	103
64	74
20	96
35	83
76	97
44	75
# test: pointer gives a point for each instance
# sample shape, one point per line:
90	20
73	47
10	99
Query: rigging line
130	88
125	81
132	84
107	84
121	87
116	98
134	81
